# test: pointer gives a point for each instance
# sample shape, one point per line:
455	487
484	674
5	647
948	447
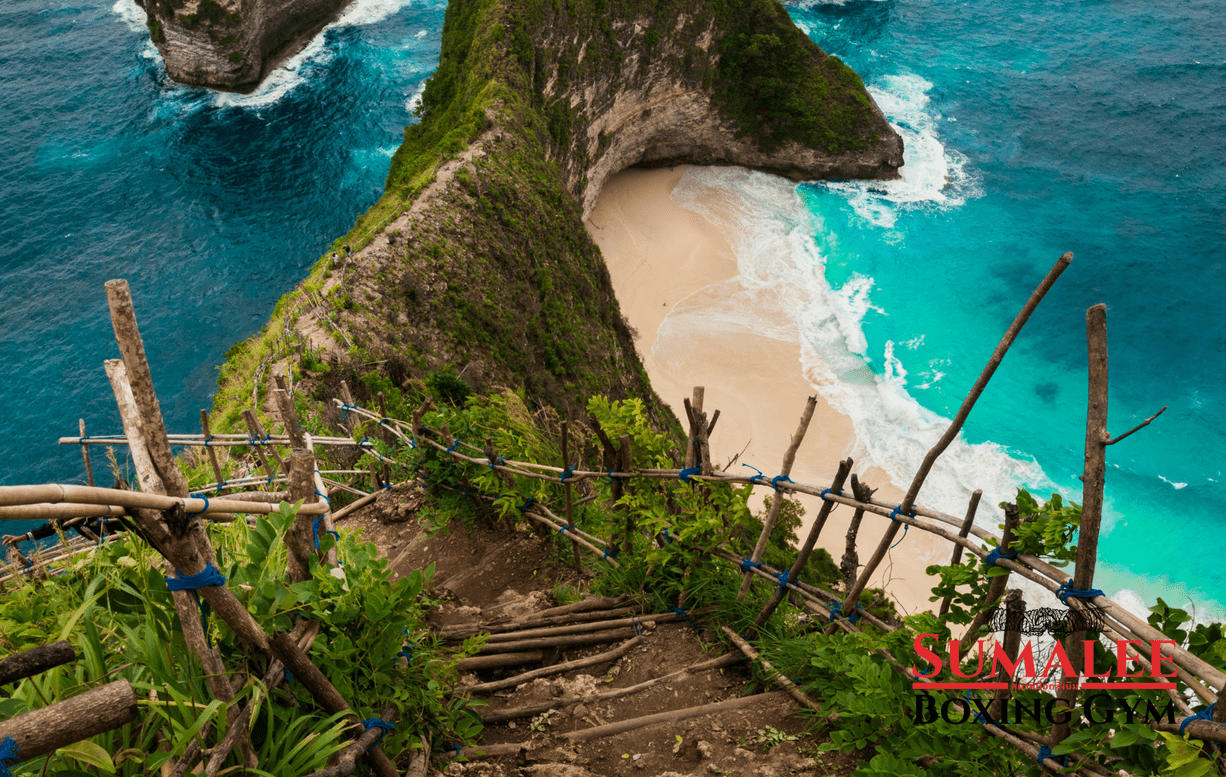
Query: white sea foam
131	14
1173	484
933	176
785	296
415	100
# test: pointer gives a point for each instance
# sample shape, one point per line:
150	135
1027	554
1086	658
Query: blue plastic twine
566	473
996	555
1205	714
380	724
205	577
758	478
1066	590
836	608
685	474
1045	752
897	511
775	481
8	755
749	564
783	578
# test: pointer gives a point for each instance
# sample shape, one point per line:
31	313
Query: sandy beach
667	262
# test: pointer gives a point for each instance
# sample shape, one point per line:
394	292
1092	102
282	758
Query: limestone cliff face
654	100
231	44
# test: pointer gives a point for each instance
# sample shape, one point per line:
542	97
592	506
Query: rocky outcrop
232	44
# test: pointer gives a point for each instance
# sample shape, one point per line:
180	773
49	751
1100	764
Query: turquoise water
211	205
1035	128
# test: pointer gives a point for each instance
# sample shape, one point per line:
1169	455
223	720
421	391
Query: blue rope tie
384	421
610	476
749	564
563	528
456	748
455	444
345	410
836	608
8	755
496	463
611	551
566	473
206	506
685	474
679	613
1045	752
1205	714
668	538
826	491
325	498
897	511
1066	590
380	724
758	478
775	481
527	504
979	718
996	555
783	578
205	577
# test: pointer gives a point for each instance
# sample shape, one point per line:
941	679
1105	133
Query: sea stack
231	44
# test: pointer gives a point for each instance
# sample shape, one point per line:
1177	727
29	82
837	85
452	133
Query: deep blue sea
1032	128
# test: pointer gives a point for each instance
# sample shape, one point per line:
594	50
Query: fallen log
45	730
566	666
500	660
348	763
571	640
459	633
587	628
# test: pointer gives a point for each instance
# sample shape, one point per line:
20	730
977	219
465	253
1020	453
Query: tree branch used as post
963	532
789	458
204	426
568	489
89	471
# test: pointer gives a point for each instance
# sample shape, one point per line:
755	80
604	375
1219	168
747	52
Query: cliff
476	259
231	44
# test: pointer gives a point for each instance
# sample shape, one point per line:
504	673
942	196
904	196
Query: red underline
1128	686
960	686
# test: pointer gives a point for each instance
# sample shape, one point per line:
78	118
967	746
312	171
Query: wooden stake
692	409
840	477
260	443
956	559
289	414
299	538
996	586
955	426
1015	611
204	425
789	458
89	471
774	674
566	666
132	348
1093	482
849	565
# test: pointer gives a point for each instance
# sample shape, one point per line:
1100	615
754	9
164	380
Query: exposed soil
491	571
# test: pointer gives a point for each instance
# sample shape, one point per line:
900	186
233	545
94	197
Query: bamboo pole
955	426
956	558
289	414
94	712
789	458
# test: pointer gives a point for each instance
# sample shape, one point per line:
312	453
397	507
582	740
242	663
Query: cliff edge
231	44
476	260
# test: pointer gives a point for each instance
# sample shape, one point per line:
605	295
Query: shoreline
666	261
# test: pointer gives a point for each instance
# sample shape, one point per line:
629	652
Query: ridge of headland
476	258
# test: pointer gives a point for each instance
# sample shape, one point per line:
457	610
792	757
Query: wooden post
849	565
299	538
789	458
955	426
996	586
325	520
691	449
89	471
625	452
1093	482
386	433
204	425
261	447
140	379
963	532
840	477
1015	611
94	712
568	489
418	429
150	482
34	661
289	414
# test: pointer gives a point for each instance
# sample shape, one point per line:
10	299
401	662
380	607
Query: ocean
1031	128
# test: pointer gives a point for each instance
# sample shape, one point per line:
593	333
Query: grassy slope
500	273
